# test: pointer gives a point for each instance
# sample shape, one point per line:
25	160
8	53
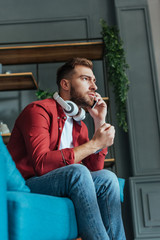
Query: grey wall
46	22
154	7
138	152
39	22
140	40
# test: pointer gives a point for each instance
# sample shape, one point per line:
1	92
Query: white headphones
70	108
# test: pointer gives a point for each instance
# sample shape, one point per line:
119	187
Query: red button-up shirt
35	140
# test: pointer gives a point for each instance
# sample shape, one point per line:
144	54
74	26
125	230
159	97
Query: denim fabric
95	195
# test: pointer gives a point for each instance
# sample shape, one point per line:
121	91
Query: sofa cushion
15	181
121	186
39	217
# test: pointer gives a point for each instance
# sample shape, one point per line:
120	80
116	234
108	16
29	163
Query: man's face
83	86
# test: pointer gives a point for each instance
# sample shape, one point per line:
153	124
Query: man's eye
85	78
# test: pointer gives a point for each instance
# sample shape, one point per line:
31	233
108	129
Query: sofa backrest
10	180
3	200
15	181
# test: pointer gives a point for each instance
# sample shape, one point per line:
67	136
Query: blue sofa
24	215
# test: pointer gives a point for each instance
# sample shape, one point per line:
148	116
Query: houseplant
116	66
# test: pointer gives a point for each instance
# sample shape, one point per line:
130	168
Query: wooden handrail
6	137
109	162
50	53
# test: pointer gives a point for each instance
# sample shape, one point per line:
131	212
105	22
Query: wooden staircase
34	54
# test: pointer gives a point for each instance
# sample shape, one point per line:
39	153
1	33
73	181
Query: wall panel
143	117
145	196
43	30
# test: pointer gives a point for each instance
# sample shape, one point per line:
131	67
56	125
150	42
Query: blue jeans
96	197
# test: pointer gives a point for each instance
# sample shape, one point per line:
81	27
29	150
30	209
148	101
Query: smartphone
94	104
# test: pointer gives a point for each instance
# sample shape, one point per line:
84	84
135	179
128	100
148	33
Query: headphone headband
70	108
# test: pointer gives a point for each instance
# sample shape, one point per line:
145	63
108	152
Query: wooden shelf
109	162
6	137
106	99
50	53
17	81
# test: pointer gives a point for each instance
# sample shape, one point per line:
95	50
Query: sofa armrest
39	217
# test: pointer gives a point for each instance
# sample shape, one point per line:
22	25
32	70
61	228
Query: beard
80	99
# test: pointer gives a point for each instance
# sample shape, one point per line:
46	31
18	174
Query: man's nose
93	85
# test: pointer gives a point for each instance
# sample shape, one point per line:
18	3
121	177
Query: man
48	147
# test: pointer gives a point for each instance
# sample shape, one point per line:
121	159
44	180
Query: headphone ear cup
70	108
81	115
74	109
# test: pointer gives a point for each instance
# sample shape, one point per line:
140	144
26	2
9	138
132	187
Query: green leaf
41	94
116	66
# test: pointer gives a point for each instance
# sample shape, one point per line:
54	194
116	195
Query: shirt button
59	128
65	117
58	117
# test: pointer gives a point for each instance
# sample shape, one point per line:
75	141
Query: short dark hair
66	70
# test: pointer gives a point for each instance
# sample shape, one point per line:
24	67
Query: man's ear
65	84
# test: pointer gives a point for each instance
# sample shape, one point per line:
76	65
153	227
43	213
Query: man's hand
99	112
104	136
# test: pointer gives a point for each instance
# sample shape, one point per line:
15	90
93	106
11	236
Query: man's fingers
105	126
